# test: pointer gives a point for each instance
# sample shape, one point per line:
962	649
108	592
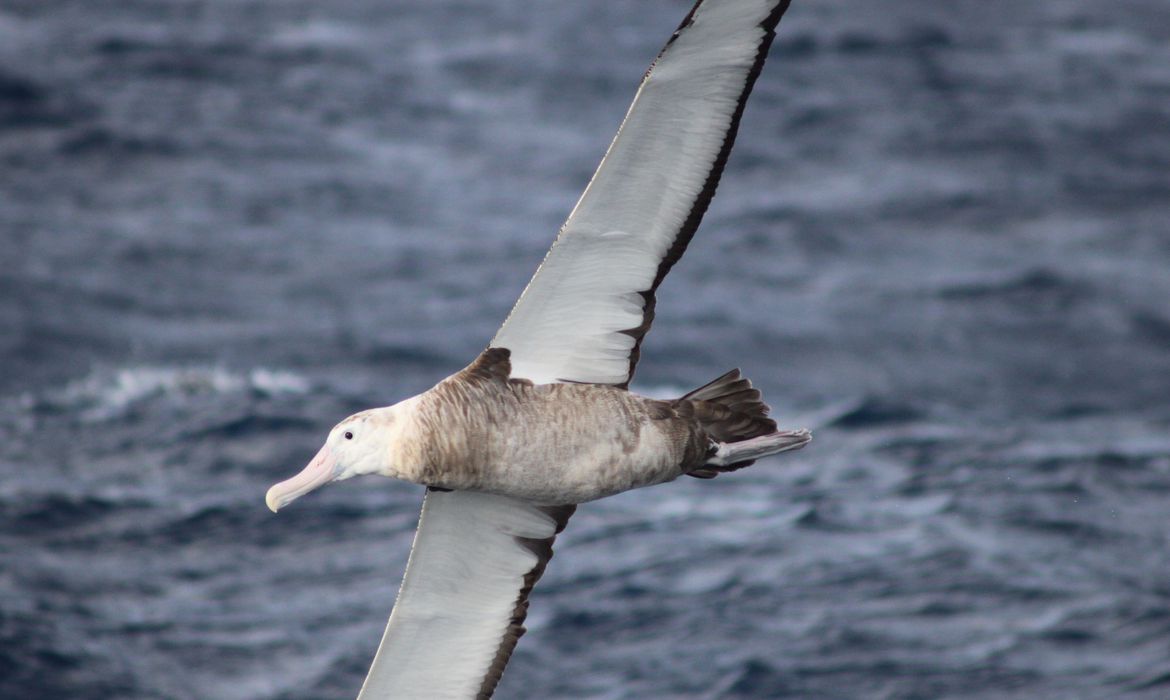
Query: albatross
543	419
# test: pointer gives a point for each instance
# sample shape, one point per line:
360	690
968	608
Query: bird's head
364	443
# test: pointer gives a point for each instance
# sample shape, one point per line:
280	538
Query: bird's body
542	420
551	444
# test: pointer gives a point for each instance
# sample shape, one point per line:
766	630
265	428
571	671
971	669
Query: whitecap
108	394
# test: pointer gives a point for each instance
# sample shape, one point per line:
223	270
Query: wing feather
585	311
464	597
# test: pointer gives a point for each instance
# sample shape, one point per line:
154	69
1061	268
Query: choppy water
942	239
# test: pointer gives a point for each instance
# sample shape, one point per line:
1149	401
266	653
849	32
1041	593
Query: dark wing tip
703	200
543	550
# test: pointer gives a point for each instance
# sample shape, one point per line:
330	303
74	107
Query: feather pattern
464	596
585	311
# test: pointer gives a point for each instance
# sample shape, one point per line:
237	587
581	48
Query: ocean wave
1037	283
109	395
104	141
916	38
25	103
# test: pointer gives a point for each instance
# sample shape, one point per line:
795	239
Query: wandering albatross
542	419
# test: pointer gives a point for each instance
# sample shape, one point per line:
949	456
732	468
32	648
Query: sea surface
943	242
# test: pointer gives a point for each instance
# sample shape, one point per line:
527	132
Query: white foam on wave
104	395
318	34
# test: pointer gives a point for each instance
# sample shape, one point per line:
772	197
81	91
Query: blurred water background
942	241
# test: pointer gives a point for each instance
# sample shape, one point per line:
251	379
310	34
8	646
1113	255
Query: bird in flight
543	420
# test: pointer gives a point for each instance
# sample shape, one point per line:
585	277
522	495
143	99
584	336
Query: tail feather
728	408
734	455
732	413
728	383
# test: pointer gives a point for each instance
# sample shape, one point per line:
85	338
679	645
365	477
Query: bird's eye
348	435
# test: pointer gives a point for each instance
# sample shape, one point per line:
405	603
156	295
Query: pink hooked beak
320	471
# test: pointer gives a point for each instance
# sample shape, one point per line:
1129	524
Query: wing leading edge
581	318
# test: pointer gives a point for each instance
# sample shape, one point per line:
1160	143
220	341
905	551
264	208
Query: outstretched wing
581	318
464	597
583	315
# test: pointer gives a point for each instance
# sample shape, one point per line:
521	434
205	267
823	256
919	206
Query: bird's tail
734	416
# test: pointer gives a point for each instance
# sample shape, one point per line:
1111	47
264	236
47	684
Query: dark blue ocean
943	242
